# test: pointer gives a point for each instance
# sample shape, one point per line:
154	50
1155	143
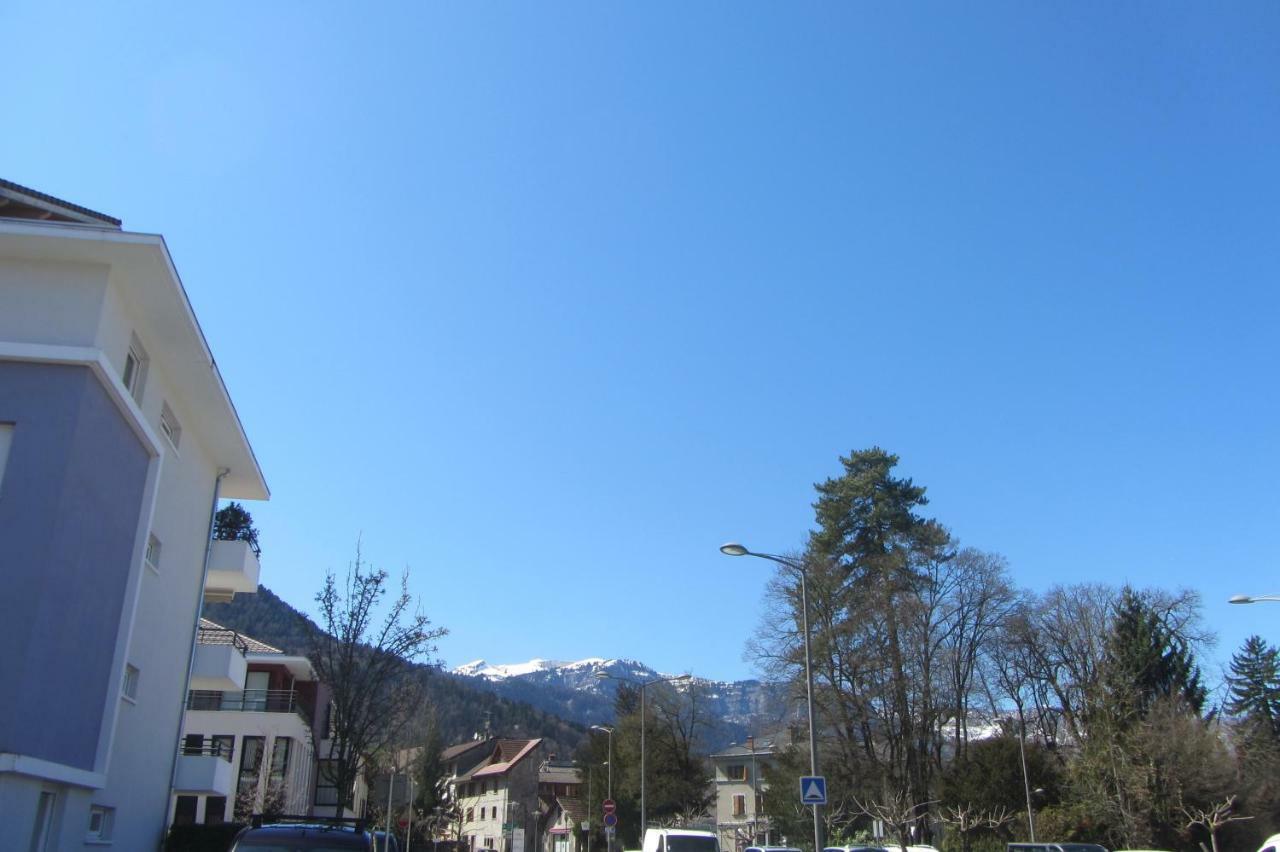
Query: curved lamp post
1243	599
643	685
735	549
608	795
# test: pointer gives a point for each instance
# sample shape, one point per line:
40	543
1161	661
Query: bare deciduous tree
366	664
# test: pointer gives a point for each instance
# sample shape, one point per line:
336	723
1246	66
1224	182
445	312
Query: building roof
559	773
22	202
764	748
143	271
506	754
254	646
455	751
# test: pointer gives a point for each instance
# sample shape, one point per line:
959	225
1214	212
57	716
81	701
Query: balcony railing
222	636
207	747
248	701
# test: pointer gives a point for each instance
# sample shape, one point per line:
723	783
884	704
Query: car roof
333	835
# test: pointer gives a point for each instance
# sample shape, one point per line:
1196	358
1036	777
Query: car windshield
678	843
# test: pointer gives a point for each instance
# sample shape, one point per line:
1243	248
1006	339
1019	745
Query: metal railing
222	636
250	701
208	747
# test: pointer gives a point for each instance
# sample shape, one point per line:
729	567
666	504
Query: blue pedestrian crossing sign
813	790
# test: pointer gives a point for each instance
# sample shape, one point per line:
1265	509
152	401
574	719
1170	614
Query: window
327	782
736	771
153	553
184	811
100	821
215	810
471	814
129	689
739	805
135	369
250	763
279	759
43	827
6	439
169	425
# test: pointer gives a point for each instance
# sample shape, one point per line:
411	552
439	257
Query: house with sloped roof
740	787
497	798
562	808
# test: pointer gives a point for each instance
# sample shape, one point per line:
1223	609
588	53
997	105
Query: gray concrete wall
69	510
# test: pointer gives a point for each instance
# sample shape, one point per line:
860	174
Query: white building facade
117	438
248	735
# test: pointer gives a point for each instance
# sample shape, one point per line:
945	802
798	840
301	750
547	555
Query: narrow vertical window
129	689
6	439
169	425
134	374
153	553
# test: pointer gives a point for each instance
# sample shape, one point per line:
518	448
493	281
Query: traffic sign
610	820
609	831
609	806
813	790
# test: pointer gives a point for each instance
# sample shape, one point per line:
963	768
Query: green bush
201	838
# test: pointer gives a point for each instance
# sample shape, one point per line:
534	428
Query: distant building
254	724
117	439
562	808
740	817
496	796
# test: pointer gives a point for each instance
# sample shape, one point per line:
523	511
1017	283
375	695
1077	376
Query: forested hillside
460	708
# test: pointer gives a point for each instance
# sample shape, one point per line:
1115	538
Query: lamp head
1239	599
734	549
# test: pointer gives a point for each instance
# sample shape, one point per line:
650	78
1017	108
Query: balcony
204	768
220	663
249	701
233	569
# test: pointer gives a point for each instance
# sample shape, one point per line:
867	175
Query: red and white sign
610	806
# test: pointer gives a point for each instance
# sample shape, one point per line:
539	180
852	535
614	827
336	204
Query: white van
680	840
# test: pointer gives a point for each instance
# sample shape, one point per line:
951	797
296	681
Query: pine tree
1254	684
1145	662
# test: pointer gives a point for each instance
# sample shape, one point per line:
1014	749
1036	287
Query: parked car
384	842
1272	844
680	840
893	848
1054	847
303	837
771	849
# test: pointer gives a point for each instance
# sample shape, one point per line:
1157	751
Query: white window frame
153	553
106	818
129	683
170	426
135	379
6	441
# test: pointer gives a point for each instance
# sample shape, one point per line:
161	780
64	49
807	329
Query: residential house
117	440
562	808
255	719
739	811
497	798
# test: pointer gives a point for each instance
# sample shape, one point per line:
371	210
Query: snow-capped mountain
577	691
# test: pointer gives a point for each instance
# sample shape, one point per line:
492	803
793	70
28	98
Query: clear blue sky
547	301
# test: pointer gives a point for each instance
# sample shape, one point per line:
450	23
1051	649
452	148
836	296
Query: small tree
234	523
1212	818
366	664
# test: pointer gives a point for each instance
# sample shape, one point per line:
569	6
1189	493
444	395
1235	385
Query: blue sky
546	301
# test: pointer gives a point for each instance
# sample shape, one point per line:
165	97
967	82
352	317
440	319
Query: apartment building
497	797
740	817
249	731
117	439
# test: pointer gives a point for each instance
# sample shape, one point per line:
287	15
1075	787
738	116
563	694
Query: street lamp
1243	599
609	795
643	686
735	549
